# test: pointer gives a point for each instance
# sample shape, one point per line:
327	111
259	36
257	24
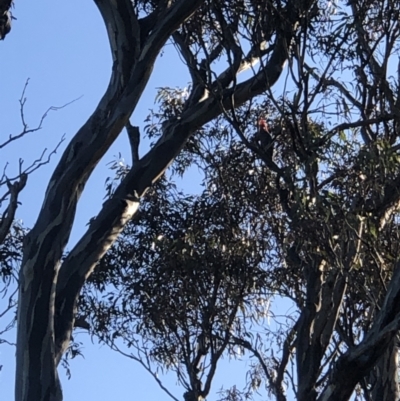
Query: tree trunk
384	378
49	284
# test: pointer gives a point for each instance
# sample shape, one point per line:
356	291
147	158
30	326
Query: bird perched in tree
264	138
5	24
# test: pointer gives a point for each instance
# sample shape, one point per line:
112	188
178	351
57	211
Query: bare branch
26	130
114	347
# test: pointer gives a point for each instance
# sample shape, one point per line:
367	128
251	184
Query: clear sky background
62	47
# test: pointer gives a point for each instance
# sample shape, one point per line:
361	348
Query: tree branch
8	216
117	211
358	361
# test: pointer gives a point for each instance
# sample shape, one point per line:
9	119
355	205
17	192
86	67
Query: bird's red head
262	124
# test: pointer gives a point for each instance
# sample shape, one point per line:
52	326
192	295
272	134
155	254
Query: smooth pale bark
36	376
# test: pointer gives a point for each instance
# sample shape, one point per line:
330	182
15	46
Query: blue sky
63	49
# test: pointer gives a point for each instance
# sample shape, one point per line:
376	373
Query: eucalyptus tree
244	33
321	192
310	214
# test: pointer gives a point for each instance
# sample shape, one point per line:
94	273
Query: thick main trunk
384	377
37	377
38	351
